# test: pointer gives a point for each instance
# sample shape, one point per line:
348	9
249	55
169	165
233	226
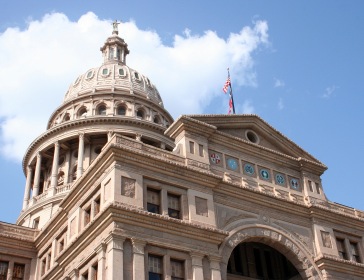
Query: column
138	259
197	268
54	176
27	186
37	175
215	267
115	257
81	148
100	251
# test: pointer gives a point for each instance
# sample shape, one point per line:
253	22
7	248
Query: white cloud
40	62
329	91
278	83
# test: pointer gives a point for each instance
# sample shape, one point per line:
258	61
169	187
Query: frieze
197	164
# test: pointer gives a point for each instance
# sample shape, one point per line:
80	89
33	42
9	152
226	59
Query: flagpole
231	92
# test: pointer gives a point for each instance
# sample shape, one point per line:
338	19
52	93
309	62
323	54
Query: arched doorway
253	260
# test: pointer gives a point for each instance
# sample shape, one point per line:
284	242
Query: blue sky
296	64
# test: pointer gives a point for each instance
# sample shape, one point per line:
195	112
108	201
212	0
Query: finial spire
115	27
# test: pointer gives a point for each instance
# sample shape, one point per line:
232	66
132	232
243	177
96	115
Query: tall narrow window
36	223
18	271
341	248
177	270
155	267
96	206
43	267
140	114
87	216
310	186
355	251
121	110
174	207
318	188
153	201
94	272
4	270
200	150
192	147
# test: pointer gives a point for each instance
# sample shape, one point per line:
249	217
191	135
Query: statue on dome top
115	27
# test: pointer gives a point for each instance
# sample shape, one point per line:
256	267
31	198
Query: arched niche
287	245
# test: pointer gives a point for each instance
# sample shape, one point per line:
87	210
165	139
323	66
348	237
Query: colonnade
54	172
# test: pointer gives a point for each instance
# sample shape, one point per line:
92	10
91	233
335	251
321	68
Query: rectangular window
18	271
61	246
310	186
177	270
174	207
97	206
355	251
4	270
87	216
200	150
341	248
192	147
153	201
49	261
318	188
94	272
85	276
155	267
36	223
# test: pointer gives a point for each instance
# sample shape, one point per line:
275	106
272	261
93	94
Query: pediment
251	129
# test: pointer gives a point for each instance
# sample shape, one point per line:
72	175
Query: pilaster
197	268
138	259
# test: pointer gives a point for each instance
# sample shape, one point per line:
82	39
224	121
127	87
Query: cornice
331	263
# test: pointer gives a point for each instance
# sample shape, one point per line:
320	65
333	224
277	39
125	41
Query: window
82	112
192	147
156	120
155	267
101	110
121	72
36	223
66	117
61	246
174	207
355	252
140	114
341	248
4	270
43	266
318	188
105	71
96	206
153	201
177	270
89	74
94	272
87	216
136	75
200	150
121	111
85	276
310	186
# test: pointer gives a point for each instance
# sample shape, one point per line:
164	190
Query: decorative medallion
215	158
294	184
264	173
249	169
232	164
280	179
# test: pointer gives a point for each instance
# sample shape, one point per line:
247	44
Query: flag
230	105
226	85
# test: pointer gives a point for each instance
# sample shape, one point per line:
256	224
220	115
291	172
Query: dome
113	75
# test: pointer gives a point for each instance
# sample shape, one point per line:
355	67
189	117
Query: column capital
81	135
196	258
138	246
114	241
56	144
39	155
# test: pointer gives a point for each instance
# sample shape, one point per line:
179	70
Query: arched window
140	114
157	119
66	117
82	112
101	110
121	110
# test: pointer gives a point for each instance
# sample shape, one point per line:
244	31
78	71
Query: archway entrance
253	260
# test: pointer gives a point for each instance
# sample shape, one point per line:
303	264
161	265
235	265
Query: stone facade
116	189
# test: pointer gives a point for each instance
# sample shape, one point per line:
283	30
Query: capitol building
118	189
